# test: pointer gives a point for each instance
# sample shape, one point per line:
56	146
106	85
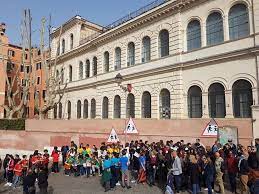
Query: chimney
2	28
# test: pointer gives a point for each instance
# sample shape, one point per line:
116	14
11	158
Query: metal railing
126	18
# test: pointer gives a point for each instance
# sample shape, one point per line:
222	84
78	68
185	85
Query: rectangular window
21	68
44	94
26	56
28	69
38	80
11	53
10	80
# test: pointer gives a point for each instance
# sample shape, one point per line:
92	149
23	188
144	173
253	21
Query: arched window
146	105
106	61
117	107
81	70
164	104
70	73
164	43
93	109
214	28
94	66
131	54
68	110
195	102
217	107
146	49
130	106
105	108
62	76
85	109
63	46
193	35
60	110
87	68
238	21
71	41
79	107
117	58
55	111
242	99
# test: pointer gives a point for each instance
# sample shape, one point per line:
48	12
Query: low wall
48	133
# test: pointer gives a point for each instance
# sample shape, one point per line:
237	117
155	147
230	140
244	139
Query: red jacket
232	165
55	156
10	164
18	169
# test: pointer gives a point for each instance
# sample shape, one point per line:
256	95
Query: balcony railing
126	18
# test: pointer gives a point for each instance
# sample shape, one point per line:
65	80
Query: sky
102	12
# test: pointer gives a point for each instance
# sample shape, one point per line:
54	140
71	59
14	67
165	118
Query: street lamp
118	80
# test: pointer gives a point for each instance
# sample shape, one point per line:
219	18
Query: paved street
60	184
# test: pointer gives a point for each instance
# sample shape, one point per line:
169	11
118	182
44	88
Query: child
18	173
55	156
88	165
106	177
95	166
43	180
25	165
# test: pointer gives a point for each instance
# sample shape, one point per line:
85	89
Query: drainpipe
256	64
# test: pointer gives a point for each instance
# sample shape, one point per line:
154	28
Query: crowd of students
172	166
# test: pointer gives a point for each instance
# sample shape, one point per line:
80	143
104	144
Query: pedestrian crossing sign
211	130
113	137
131	127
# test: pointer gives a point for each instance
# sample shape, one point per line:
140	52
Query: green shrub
12	124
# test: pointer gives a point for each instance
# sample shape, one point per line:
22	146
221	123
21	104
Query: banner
226	133
131	127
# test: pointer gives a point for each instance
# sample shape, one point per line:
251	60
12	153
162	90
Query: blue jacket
209	172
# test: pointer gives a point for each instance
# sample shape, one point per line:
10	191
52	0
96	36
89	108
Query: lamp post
118	80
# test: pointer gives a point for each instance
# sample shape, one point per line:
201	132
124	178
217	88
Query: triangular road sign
131	127
113	137
211	129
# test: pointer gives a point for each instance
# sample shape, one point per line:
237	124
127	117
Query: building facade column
226	27
205	108
229	104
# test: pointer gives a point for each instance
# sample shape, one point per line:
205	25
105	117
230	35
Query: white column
226	28
205	108
229	104
203	35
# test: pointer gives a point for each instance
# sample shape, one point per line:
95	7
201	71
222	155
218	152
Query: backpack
222	167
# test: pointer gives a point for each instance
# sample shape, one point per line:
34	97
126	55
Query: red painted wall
42	133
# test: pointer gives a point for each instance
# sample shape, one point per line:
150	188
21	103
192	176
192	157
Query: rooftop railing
126	18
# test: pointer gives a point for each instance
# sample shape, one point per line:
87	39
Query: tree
17	92
54	87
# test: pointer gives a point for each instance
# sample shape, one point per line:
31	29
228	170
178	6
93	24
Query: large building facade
181	59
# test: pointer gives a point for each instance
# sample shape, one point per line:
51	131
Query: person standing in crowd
29	183
209	173
152	167
194	171
64	150
10	167
106	177
243	171
115	169
231	165
219	168
43	180
18	174
5	165
177	170
124	163
142	170
55	156
215	147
